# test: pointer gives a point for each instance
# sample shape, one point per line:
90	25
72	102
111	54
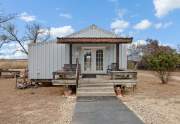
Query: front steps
95	87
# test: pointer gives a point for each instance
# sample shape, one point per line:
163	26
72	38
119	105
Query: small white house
95	48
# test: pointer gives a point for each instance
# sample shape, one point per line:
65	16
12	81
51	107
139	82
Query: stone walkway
103	110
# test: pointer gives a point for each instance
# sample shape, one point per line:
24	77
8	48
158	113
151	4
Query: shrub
163	63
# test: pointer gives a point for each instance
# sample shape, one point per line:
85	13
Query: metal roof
93	32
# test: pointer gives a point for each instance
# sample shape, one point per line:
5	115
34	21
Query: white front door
93	60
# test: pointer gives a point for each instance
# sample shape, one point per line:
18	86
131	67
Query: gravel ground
153	102
43	105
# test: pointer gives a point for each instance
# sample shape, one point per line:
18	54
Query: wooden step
96	89
63	82
95	85
82	93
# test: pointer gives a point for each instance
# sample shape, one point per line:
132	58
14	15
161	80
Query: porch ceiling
68	40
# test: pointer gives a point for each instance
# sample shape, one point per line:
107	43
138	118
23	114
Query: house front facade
96	50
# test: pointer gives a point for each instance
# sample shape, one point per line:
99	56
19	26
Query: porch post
70	54
117	55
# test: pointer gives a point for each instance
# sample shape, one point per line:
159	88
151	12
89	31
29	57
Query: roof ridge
106	31
93	27
78	32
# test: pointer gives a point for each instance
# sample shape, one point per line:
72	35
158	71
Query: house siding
45	58
123	56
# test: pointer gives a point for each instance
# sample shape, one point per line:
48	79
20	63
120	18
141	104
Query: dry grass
154	102
13	64
43	105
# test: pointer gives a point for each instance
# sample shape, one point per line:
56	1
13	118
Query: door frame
93	60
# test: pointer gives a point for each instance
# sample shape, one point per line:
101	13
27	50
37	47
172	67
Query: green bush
163	63
131	65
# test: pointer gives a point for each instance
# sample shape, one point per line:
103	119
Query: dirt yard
43	105
154	102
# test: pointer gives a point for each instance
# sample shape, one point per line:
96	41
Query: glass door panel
99	60
87	60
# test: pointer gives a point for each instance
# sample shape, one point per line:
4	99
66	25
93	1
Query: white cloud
140	42
118	26
65	15
61	31
26	17
16	55
163	25
144	24
163	7
12	51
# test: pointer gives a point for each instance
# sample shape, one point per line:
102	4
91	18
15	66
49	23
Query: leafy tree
163	63
152	47
162	59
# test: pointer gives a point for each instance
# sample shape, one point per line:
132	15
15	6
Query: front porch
124	78
97	62
96	84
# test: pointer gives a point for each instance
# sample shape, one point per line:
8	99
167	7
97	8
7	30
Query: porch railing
77	72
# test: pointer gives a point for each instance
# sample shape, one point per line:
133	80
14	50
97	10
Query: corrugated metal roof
93	32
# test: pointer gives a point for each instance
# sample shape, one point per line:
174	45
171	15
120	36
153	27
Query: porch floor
115	82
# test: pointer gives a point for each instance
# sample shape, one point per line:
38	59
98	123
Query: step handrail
77	72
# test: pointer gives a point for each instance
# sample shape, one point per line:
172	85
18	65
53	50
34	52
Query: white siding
123	56
44	58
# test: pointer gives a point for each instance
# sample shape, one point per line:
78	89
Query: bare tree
33	33
11	35
6	18
153	46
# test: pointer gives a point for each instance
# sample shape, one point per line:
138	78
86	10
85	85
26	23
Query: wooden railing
77	72
118	75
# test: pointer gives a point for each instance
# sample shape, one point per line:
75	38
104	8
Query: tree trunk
164	76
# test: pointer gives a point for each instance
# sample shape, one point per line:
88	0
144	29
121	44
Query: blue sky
142	19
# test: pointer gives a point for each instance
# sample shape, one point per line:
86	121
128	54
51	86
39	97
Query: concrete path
103	110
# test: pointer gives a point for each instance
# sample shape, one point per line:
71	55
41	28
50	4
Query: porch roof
93	40
94	34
